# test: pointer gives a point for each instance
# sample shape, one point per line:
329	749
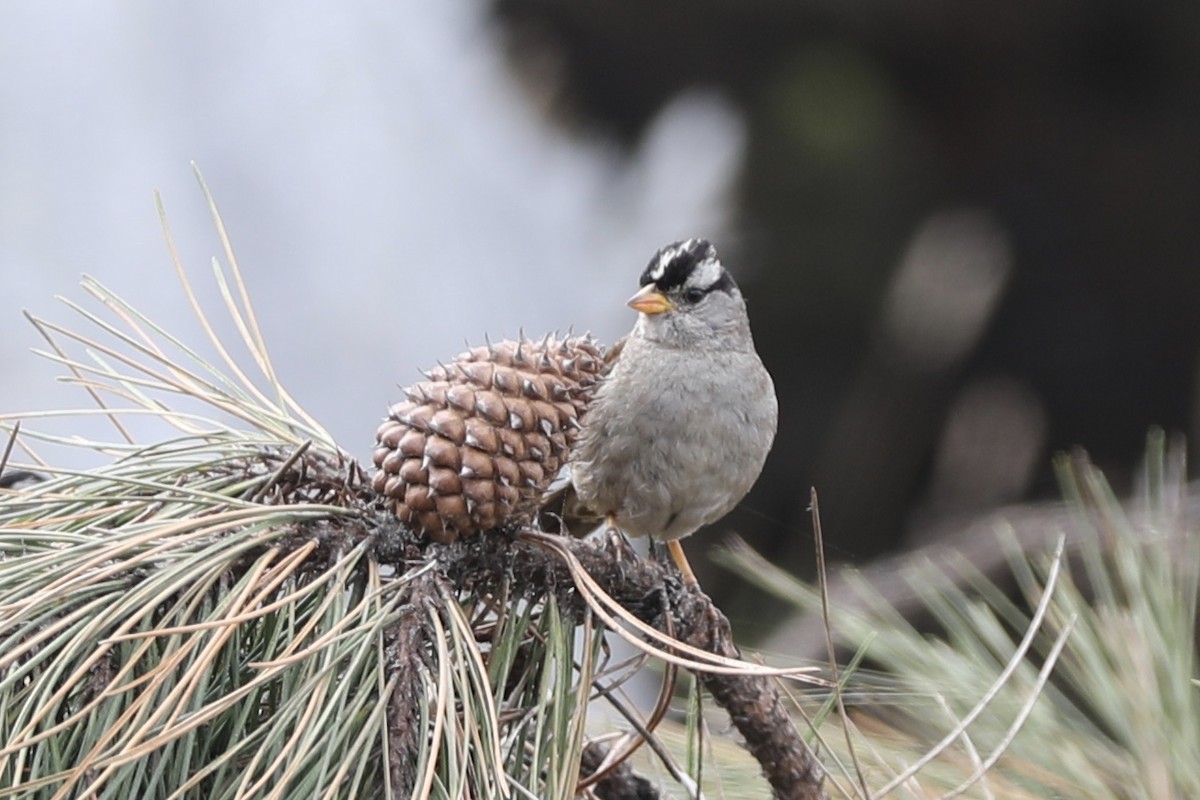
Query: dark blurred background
968	233
975	231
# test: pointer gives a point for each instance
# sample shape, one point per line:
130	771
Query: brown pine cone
477	443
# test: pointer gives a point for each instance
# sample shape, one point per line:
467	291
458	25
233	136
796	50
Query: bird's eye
694	295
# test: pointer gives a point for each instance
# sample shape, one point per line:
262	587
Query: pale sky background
389	187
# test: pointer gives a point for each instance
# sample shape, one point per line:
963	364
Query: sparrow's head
688	299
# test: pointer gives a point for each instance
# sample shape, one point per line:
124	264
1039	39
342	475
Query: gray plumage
679	428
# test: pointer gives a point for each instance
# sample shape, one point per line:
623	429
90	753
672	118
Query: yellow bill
649	300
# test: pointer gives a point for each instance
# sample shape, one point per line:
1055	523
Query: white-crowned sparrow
679	428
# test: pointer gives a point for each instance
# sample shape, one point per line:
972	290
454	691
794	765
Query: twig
281	471
753	703
8	448
1014	663
640	737
1026	709
822	577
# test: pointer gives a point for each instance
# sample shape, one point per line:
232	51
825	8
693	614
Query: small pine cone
478	442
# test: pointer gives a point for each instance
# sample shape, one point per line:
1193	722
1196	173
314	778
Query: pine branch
654	594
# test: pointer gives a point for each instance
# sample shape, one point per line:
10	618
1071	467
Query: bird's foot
615	540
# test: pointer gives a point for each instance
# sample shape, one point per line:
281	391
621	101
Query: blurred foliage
1118	717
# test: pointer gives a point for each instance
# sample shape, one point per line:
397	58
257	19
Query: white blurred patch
687	166
991	445
946	288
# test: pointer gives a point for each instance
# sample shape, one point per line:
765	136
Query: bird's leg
680	559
